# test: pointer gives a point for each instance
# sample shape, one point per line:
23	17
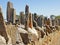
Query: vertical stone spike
30	21
2	27
26	17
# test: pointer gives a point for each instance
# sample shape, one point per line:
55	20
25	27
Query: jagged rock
40	31
45	20
2	40
10	41
32	35
24	35
35	16
48	21
2	28
57	27
53	28
11	13
39	21
26	24
33	31
26	17
34	23
19	40
22	18
47	30
28	36
0	9
25	38
30	21
58	22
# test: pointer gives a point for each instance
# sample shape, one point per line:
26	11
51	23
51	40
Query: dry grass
11	30
52	39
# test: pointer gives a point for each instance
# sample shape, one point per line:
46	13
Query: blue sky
45	7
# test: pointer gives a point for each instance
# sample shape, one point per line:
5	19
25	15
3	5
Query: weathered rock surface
2	40
2	28
24	35
40	31
34	23
30	21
